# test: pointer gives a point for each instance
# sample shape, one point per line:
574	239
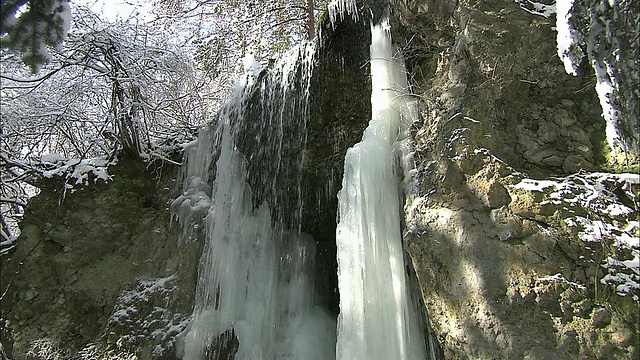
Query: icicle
337	9
376	319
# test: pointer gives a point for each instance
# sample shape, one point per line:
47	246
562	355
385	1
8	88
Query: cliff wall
524	245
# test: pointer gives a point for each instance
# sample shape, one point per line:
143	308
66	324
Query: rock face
509	266
340	109
99	269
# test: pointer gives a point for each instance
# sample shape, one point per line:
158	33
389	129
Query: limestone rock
519	240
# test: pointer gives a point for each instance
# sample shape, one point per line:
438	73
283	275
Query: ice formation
255	296
566	38
598	41
337	8
376	319
256	280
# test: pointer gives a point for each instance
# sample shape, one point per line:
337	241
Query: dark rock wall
99	267
340	109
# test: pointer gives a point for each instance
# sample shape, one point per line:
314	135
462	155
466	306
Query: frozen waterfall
376	319
256	280
255	296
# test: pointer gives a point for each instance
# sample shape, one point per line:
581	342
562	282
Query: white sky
119	9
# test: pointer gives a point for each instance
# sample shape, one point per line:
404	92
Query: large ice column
376	319
237	280
255	295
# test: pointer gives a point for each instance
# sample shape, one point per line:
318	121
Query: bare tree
114	90
223	32
129	89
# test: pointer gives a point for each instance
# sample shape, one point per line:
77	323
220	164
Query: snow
537	8
596	40
534	185
76	171
376	320
64	17
607	220
560	278
251	66
632	225
115	10
565	38
543	9
591	190
133	313
594	230
624	276
605	87
52	158
146	288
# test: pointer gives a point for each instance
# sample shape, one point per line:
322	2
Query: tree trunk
311	22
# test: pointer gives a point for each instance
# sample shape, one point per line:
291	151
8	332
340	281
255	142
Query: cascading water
376	319
255	292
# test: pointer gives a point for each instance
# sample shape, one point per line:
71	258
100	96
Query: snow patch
252	67
606	85
135	321
566	36
76	171
534	185
594	33
537	8
608	219
593	191
623	276
64	19
560	278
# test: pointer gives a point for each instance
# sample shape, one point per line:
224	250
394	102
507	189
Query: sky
118	9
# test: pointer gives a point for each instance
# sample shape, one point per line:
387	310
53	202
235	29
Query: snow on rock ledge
601	211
